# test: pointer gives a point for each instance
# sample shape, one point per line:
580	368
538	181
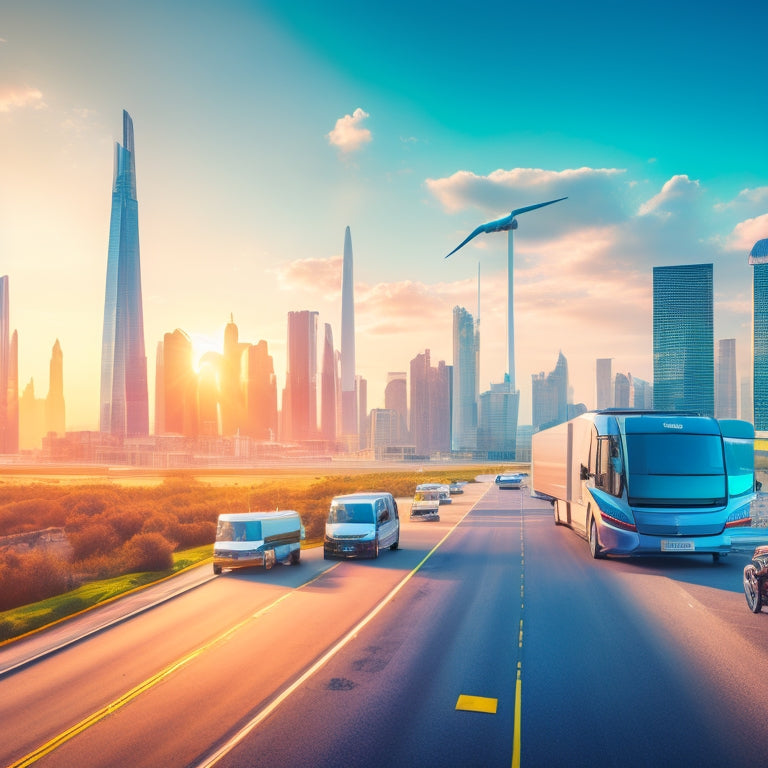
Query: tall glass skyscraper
725	392
124	398
465	381
683	340
758	258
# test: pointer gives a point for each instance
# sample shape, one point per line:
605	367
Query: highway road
491	638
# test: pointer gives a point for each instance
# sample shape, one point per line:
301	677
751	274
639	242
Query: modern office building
259	385
725	389
231	395
430	410
604	380
622	396
683	341
396	399
758	258
349	399
497	422
549	396
300	393
9	375
54	402
179	393
124	398
466	351
328	389
384	426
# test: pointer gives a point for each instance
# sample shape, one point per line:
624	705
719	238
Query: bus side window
609	471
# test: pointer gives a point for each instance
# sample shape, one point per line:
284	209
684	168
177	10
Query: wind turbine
507	224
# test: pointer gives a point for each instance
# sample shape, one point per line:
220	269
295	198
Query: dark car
756	580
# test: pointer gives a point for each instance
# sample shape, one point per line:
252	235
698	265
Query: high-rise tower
758	258
300	394
349	420
54	403
725	391
124	399
465	381
683	340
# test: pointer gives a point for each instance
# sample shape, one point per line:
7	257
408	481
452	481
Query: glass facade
465	381
758	258
124	399
683	340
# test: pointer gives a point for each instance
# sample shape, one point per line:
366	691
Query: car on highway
361	524
456	486
425	505
513	480
443	489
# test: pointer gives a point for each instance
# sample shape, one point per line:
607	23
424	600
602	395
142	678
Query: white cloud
596	196
746	233
12	97
676	195
348	134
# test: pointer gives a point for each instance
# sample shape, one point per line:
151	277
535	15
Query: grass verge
28	618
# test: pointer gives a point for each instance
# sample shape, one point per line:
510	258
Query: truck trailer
635	482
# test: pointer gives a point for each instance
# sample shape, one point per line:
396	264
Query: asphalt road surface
490	638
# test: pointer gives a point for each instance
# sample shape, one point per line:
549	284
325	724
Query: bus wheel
594	545
752	589
269	559
295	557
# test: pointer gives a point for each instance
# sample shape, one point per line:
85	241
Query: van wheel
396	544
594	545
376	549
295	557
217	569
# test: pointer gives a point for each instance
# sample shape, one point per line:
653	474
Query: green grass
28	618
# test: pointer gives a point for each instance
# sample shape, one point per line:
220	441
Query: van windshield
249	530
351	512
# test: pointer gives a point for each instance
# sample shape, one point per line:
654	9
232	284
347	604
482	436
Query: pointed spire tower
349	422
124	397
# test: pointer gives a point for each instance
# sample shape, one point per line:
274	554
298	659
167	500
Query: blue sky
264	129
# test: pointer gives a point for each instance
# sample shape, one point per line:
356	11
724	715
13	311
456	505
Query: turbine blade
475	233
518	211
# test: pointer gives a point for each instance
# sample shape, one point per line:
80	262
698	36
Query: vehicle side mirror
584	473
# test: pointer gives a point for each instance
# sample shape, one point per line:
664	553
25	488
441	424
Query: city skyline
319	117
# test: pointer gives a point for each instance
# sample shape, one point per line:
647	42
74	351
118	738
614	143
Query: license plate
671	545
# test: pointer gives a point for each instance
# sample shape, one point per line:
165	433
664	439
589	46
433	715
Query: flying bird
504	224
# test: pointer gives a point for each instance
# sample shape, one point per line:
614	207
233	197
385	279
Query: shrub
147	552
27	578
95	539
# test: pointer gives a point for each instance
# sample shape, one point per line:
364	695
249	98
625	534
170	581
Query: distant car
756	580
513	481
425	505
441	488
456	486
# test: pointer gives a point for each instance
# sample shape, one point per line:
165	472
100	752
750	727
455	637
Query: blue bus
637	482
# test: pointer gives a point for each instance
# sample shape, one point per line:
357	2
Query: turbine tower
507	224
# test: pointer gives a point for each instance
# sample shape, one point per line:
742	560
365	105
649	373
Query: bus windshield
675	454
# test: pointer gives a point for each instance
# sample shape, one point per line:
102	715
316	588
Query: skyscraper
124	399
9	376
260	386
549	393
349	413
328	389
683	342
725	391
54	403
180	395
465	381
396	399
300	394
621	391
758	258
604	379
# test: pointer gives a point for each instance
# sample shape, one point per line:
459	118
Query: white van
360	524
245	539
